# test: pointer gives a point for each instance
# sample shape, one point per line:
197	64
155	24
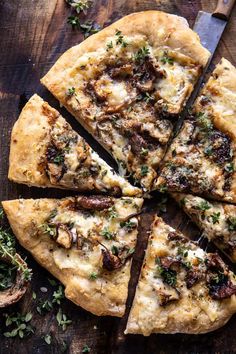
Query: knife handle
223	9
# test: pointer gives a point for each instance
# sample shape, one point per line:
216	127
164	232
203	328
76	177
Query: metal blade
209	29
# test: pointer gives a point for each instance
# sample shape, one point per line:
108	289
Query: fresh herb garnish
7	275
44	306
86	349
229	167
70	91
215	217
112	213
88	28
47	338
203	206
58	295
93	276
109	45
80	5
169	276
204	121
48	229
141	54
20	324
128	225
120	39
144	170
231	221
74	21
166	59
62	320
108	235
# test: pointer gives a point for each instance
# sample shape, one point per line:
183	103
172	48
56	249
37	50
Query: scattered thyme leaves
86	349
19	324
62	320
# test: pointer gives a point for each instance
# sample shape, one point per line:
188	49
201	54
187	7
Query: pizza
181	289
126	85
201	159
85	242
216	220
46	152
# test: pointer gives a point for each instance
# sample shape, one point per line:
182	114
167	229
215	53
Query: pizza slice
85	242
46	152
124	84
181	289
201	159
216	220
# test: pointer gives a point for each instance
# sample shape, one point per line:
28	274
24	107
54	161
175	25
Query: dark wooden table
34	33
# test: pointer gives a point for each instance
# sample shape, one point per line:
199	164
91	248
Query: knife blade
210	27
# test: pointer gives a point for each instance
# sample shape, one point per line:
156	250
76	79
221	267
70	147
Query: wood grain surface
34	33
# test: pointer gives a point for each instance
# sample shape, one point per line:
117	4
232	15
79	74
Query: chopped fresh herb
47	338
44	306
7	249
20	324
93	276
115	250
7	275
52	282
203	206
86	349
80	5
169	276
48	229
145	96
182	251
204	121
112	213
128	225
74	21
70	91
59	158
34	295
142	54
231	221
162	188
109	45
166	59
58	295
120	39
144	170
229	167
62	320
108	235
88	28
215	217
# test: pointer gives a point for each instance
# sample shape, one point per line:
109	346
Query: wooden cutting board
34	33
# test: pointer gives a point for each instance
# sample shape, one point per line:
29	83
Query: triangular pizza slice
47	152
124	84
181	289
216	220
85	242
201	159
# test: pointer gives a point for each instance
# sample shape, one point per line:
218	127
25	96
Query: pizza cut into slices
125	83
46	152
201	159
181	289
85	242
216	220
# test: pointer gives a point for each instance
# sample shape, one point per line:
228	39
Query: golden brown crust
104	296
193	312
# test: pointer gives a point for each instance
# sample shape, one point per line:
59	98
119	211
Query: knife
210	27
